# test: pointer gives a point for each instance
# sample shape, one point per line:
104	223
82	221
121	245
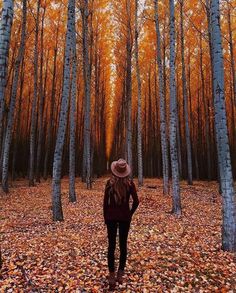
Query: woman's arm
105	200
134	195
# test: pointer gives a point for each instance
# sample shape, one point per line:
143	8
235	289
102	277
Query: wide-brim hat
120	168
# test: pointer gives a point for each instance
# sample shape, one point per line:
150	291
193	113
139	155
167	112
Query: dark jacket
115	212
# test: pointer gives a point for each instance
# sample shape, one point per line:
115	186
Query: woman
117	214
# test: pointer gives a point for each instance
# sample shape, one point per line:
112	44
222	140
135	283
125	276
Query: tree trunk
176	206
41	103
10	120
225	169
87	91
139	118
52	106
207	131
57	163
18	123
5	35
72	195
163	128
129	87
34	105
185	96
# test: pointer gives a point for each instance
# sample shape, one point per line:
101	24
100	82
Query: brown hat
120	168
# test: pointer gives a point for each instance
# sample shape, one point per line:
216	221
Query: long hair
119	188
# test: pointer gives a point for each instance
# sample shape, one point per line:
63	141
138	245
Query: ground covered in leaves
166	254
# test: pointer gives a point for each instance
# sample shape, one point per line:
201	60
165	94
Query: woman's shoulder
132	185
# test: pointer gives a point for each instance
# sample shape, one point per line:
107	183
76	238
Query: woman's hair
119	187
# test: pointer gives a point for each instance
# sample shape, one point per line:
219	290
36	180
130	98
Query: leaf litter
165	253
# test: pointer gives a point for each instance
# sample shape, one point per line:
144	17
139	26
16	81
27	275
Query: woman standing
118	215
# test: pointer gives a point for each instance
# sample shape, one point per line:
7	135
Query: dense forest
83	83
113	43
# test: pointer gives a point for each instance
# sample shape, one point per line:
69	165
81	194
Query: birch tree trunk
176	206
34	105
50	123
164	148
185	96
129	86
87	91
225	169
5	35
139	118
9	128
57	163
41	102
207	130
72	195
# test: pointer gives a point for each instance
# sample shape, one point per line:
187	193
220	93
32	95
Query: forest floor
166	254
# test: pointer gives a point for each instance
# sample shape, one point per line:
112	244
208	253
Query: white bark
225	169
185	95
57	163
129	87
72	195
9	128
51	119
87	91
139	118
5	35
164	148
176	207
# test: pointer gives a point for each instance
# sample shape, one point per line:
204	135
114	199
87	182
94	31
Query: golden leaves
165	254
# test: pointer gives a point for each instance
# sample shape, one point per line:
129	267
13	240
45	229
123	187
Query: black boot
112	281
120	275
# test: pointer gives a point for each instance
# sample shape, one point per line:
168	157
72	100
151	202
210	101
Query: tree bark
207	131
72	194
163	127
34	105
5	35
139	118
57	163
225	169
87	91
41	103
129	86
185	96
10	120
176	205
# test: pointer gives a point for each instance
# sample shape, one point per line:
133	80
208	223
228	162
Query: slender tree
51	116
41	100
164	148
128	81
72	195
57	163
10	120
87	91
18	129
185	95
5	35
225	169
176	208
139	118
207	126
35	98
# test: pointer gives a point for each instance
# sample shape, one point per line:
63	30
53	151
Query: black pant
123	235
